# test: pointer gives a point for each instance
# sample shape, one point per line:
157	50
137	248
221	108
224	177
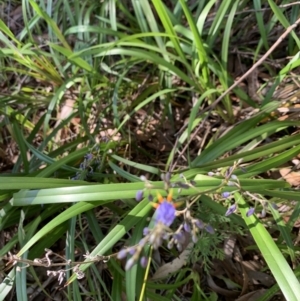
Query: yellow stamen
155	205
159	197
170	196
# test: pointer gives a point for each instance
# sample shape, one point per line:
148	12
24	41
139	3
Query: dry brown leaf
229	244
252	296
229	293
174	265
292	177
65	111
257	277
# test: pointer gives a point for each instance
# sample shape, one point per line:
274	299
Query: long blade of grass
282	19
278	265
238	135
285	234
198	44
166	21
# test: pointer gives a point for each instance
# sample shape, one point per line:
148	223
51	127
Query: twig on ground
259	62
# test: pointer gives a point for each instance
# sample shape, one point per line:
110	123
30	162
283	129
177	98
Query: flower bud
122	254
139	195
179	237
143	178
187	227
274	206
88	157
199	224
226	194
165	236
179	247
183	185
129	264
143	261
194	238
209	229
146	231
230	210
168	177
132	251
170	244
250	211
142	242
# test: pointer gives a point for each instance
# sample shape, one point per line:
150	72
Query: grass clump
110	109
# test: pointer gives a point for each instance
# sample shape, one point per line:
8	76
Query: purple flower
230	210
139	195
250	211
165	213
144	261
226	194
